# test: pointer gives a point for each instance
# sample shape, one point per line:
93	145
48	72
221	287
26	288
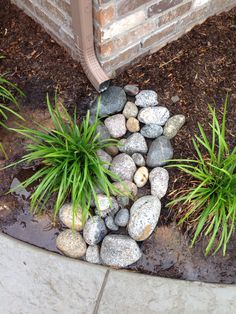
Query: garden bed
198	68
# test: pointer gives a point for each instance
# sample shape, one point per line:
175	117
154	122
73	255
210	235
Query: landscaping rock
112	150
66	216
130	110
93	255
154	115
18	189
159	152
146	98
123	201
131	90
141	177
111	101
173	125
94	230
151	130
159	178
144	215
129	186
105	157
71	243
109	221
119	251
138	159
105	207
122	217
116	125
135	143
132	125
124	166
103	131
175	99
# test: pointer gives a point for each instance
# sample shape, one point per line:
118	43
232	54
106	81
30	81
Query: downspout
82	24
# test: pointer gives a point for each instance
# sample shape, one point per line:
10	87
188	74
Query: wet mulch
199	68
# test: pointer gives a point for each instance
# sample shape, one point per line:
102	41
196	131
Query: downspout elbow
82	23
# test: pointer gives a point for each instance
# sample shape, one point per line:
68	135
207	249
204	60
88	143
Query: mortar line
99	298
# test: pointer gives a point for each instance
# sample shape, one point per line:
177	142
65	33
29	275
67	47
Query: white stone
71	243
141	177
66	216
123	166
146	98
106	205
105	157
119	251
116	125
144	215
135	143
93	255
159	178
154	115
130	110
94	230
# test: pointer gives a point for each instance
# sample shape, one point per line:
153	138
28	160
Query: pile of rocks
144	129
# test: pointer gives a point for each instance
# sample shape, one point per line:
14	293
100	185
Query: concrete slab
132	293
39	282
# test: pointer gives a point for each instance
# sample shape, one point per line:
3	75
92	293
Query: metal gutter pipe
82	24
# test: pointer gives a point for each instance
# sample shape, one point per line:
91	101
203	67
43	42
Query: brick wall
125	29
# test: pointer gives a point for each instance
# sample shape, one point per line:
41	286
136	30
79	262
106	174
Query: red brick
124	6
148	42
162	6
173	14
105	49
104	16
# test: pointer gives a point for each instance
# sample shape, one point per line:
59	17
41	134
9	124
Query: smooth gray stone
94	230
151	130
159	152
122	217
111	101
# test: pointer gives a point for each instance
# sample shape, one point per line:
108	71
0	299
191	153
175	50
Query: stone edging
35	281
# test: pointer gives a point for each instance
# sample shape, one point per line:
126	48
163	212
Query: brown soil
199	68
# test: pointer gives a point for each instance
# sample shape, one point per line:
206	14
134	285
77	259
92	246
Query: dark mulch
200	68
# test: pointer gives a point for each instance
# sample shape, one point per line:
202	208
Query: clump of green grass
71	167
209	207
7	97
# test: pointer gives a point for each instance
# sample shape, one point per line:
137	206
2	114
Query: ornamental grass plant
209	207
70	166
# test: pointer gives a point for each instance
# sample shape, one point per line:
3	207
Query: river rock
123	166
131	90
154	115
132	125
93	255
119	251
122	217
144	215
159	152
106	206
146	98
71	243
173	125
105	157
130	110
123	201
94	230
141	177
109	221
111	101
151	130
138	159
116	125
175	99
135	143
112	150
103	132
127	186
66	216
159	178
